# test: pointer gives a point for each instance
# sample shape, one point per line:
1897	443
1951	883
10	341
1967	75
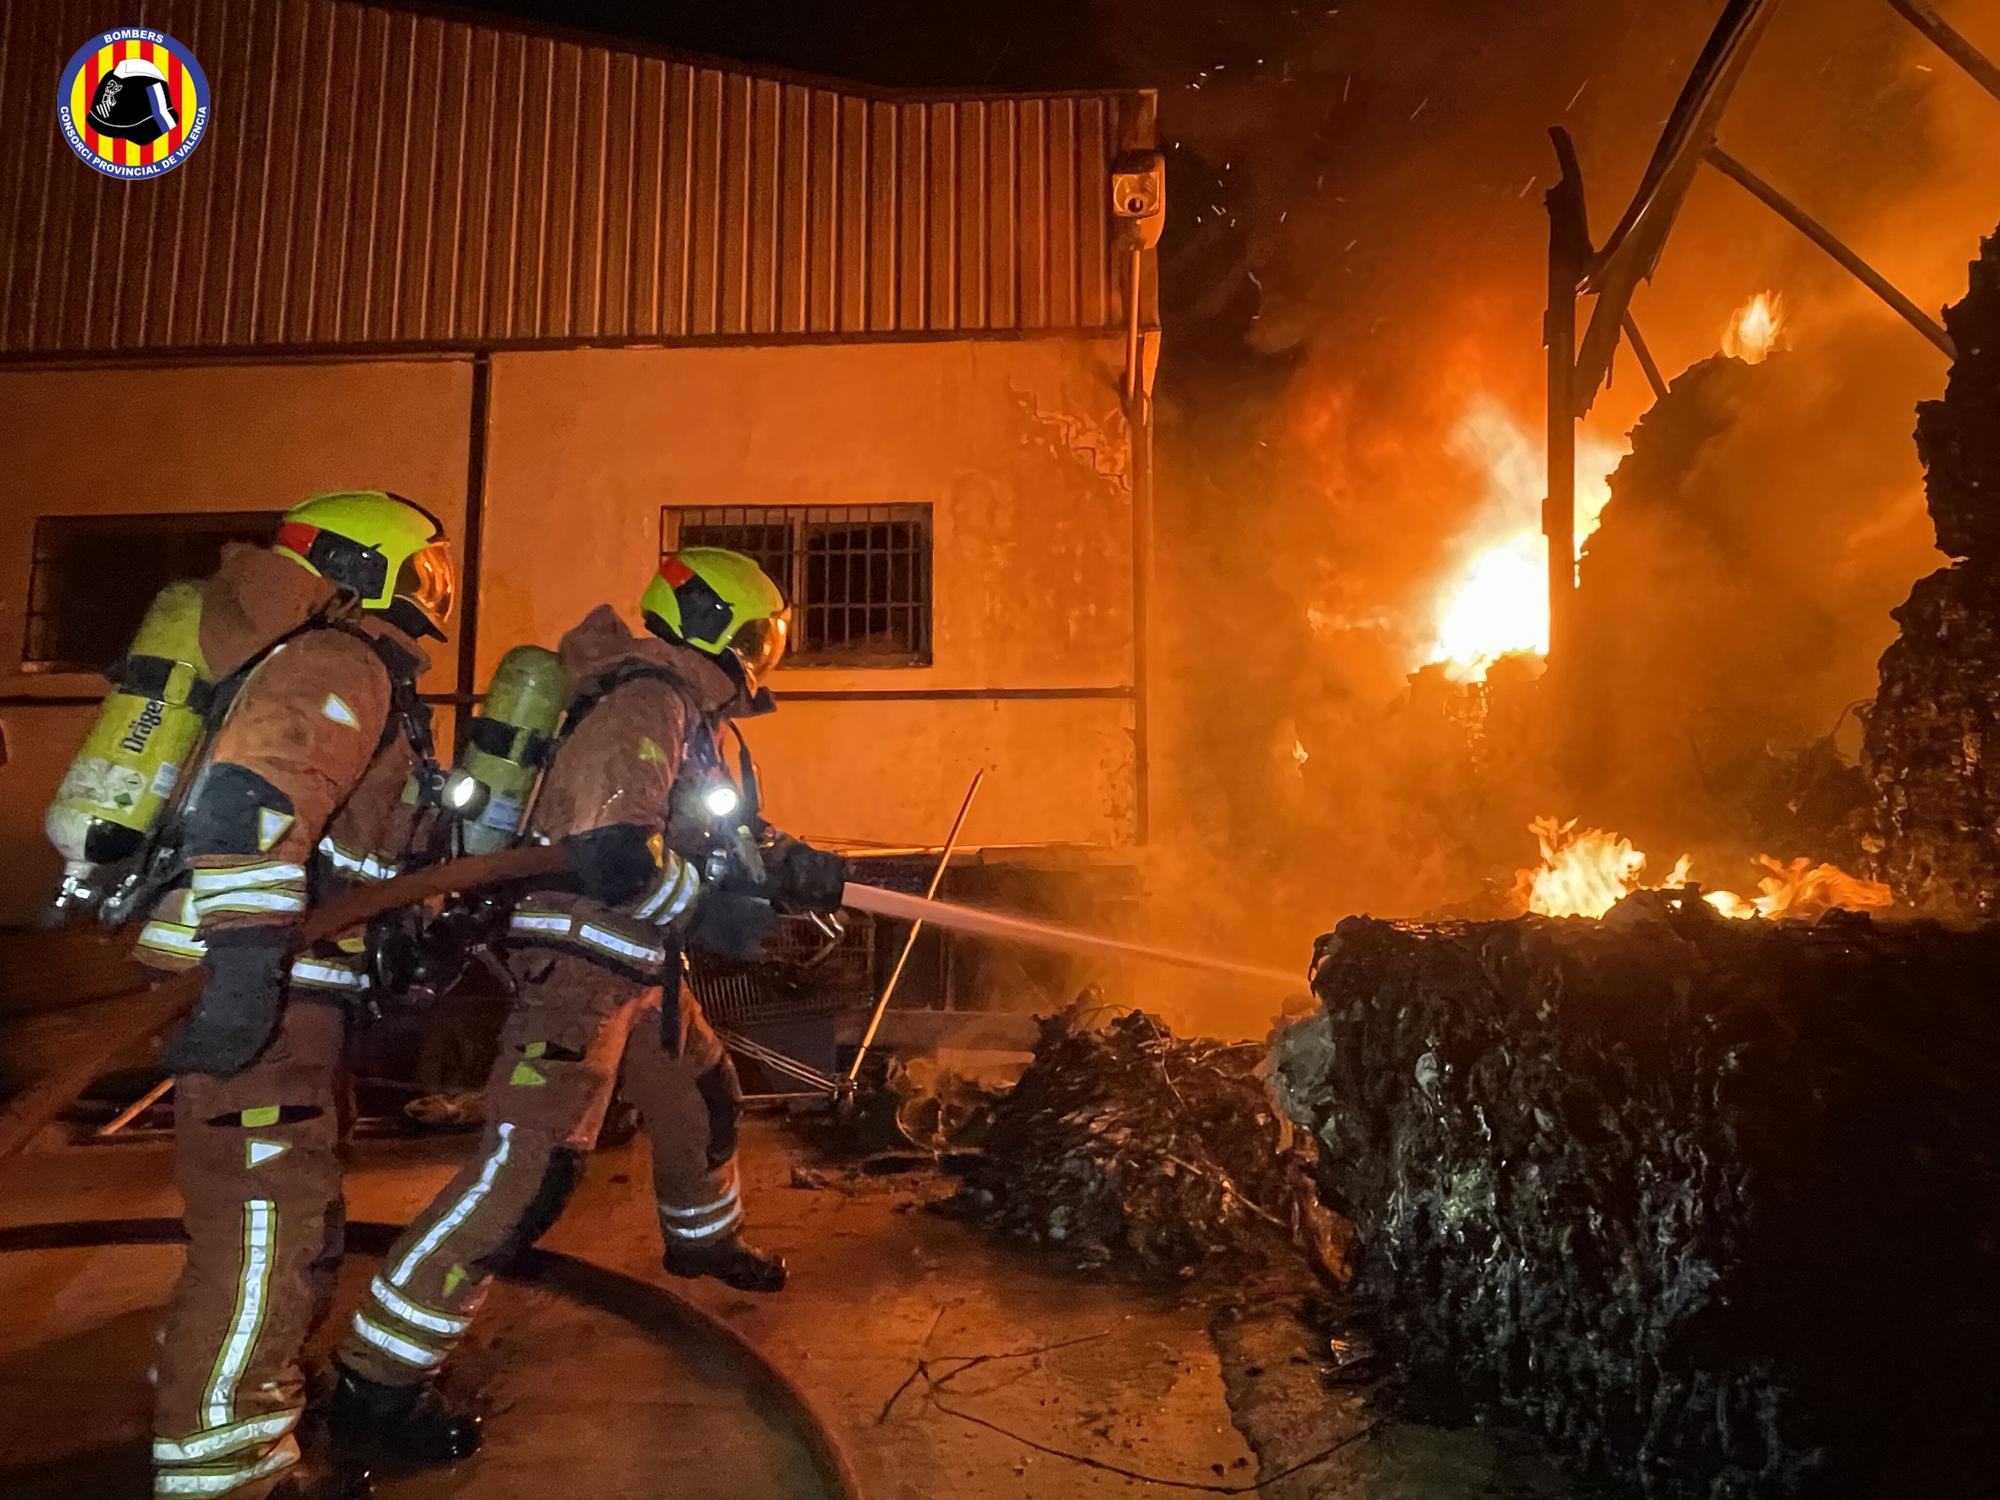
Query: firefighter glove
731	924
616	864
806	879
240	1006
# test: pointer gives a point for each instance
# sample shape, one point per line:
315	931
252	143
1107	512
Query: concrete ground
945	1363
1200	1388
577	1385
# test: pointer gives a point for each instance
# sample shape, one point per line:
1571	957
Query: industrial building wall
467	183
550	286
1017	448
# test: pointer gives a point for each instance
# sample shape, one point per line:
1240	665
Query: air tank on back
125	773
507	743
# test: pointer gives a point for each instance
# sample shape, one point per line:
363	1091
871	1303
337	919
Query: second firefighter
635	773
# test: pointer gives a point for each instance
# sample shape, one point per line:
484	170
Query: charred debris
1126	1146
1714	1205
1929	735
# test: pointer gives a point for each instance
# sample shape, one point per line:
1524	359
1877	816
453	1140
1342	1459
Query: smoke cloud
1354	269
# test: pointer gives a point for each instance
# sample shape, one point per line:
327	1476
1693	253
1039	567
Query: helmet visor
760	645
429	580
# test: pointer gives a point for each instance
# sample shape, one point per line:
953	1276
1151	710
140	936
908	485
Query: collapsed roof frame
1576	373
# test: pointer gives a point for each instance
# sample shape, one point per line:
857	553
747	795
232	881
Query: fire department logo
133	103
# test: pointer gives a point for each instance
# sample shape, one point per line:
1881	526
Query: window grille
91	577
858	576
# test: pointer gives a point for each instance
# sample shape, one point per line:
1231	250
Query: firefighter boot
729	1261
400	1426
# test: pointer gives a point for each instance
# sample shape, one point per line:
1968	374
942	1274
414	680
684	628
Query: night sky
897	43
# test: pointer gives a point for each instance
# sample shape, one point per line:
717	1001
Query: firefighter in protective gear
302	791
600	974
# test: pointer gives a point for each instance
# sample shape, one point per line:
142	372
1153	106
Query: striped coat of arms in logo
133	103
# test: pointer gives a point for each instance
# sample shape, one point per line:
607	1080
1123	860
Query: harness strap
163	678
408	713
408	717
701	752
582	705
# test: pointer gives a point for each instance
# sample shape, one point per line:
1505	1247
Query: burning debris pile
1715	1204
1716	618
1130	1144
1585	872
1928	738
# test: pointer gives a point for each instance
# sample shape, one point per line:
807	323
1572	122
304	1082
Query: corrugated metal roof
376	177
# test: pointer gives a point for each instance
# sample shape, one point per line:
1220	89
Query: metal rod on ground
1951	44
1823	237
772	1058
916	927
870	898
137	1107
777	1061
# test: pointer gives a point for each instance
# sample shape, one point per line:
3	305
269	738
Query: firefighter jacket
648	705
309	784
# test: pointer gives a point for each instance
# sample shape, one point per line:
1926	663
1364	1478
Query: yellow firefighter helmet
388	552
720	602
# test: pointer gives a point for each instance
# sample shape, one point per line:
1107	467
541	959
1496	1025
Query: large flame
1802	888
1497	601
1753	331
1498	605
1584	873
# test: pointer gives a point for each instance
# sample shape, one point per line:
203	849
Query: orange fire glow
1584	873
1753	331
1802	887
1496	602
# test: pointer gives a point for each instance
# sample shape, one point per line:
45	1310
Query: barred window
92	577
858	576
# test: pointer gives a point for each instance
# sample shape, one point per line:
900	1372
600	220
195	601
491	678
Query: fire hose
1035	934
155	1009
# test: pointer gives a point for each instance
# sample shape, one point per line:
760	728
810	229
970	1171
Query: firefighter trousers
561	1049
257	1163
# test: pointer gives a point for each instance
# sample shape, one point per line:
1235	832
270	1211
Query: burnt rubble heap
1713	1204
1132	1146
1928	743
1679	702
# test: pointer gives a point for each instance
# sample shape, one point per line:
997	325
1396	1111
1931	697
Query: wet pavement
944	1362
592	1384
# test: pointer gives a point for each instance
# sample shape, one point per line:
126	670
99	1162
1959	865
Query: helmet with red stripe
389	553
722	603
